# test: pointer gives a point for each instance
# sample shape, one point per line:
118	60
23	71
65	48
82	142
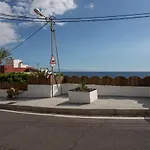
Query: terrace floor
101	103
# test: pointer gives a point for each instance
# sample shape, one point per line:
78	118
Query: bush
14	77
60	74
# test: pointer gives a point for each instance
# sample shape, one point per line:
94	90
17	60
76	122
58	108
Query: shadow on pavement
69	104
147	119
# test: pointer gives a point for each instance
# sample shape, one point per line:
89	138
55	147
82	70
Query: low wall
3	93
44	91
124	91
115	90
37	91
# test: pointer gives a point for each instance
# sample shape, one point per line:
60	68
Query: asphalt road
30	132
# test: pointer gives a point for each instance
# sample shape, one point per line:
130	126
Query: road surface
30	132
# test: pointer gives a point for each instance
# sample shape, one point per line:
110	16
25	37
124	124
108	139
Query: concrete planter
82	97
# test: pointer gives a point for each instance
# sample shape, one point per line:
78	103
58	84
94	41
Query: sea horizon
112	74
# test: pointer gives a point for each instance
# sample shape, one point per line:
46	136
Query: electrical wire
56	47
28	37
98	17
105	19
23	20
111	16
132	16
19	16
81	20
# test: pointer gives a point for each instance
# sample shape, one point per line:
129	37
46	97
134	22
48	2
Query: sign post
52	63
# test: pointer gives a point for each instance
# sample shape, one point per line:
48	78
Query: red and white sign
52	61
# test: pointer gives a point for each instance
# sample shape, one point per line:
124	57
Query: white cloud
90	6
26	24
55	7
19	10
22	4
5	8
7	34
47	7
60	23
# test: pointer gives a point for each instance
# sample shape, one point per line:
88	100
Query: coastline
111	74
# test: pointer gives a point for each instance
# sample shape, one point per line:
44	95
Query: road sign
52	61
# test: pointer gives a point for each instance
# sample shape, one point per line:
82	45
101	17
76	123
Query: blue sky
98	46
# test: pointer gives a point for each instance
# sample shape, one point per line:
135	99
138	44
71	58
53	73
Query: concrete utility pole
51	20
38	66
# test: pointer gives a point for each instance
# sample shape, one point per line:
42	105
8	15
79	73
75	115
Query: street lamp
51	21
38	12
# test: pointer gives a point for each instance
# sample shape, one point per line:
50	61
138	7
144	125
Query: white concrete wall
116	90
82	97
16	63
68	87
36	91
24	66
65	88
124	91
42	91
57	90
3	93
46	90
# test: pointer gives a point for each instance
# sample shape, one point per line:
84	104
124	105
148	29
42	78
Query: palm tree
4	53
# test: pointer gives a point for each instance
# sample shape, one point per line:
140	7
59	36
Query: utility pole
51	20
52	54
38	66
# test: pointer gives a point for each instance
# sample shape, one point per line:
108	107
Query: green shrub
13	77
60	74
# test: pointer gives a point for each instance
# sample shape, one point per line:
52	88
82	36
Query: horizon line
104	70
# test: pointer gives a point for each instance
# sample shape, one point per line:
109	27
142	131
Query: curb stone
84	112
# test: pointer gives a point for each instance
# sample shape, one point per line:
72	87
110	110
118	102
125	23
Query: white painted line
77	117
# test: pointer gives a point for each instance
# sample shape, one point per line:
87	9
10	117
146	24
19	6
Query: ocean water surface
111	74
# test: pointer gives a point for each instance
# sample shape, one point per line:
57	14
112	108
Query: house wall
8	69
14	65
17	63
1	69
11	69
9	62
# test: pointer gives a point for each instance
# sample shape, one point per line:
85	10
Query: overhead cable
28	37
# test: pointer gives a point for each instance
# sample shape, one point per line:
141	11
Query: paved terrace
101	103
110	104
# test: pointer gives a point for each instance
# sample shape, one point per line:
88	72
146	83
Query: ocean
111	74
